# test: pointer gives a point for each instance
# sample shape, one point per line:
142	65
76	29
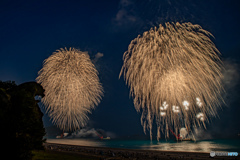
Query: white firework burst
175	65
72	87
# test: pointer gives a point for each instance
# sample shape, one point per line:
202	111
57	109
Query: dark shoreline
118	153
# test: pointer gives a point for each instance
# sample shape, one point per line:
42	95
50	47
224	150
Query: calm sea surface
230	145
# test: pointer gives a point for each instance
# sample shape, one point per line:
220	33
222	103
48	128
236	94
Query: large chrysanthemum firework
174	75
72	87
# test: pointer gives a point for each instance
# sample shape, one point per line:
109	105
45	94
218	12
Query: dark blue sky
31	30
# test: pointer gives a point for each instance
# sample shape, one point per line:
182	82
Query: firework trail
72	87
174	75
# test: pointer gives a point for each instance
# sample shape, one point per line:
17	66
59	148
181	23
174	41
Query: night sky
31	30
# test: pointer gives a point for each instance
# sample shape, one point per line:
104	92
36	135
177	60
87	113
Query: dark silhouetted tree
20	110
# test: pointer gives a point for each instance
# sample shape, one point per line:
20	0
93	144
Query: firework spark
72	87
174	75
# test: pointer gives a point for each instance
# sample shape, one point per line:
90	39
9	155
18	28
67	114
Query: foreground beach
102	153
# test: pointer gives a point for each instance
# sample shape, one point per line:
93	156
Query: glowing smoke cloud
72	87
174	75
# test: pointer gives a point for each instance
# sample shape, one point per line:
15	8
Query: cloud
124	17
98	56
125	2
91	133
201	134
231	80
84	133
230	74
126	14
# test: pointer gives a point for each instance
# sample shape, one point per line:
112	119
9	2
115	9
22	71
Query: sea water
228	145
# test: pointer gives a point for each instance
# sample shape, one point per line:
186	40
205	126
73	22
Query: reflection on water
199	146
188	146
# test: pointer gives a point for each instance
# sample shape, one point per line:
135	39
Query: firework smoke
72	87
174	75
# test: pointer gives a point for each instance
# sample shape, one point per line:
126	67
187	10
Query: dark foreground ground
62	151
